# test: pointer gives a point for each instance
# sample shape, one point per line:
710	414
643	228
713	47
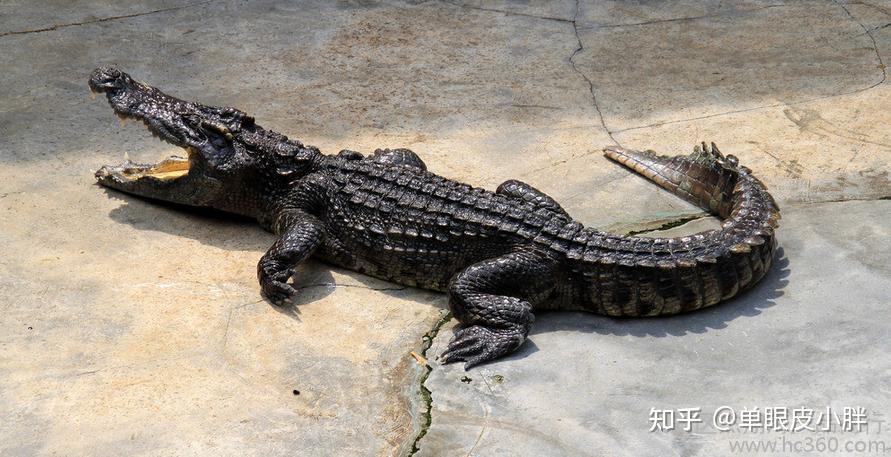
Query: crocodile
500	256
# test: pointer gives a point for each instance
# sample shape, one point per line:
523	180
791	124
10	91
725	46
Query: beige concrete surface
136	329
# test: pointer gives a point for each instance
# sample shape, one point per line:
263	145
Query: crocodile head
228	161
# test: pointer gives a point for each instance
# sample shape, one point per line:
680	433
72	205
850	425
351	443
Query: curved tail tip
629	157
614	150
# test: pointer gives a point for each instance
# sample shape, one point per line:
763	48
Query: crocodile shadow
314	279
747	304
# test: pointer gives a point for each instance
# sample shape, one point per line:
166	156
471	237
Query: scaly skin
499	255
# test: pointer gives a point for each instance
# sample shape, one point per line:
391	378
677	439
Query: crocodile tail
642	276
706	178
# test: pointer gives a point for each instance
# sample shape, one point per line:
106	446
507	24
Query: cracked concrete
580	48
137	328
101	19
523	10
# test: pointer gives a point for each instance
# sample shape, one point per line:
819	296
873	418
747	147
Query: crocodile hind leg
399	156
493	300
522	191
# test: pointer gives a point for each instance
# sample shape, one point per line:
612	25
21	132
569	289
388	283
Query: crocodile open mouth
207	136
169	119
170	168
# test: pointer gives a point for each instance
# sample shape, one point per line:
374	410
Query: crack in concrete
527	105
811	121
754	108
102	19
881	81
591	88
684	220
875	46
575	30
840	200
682	19
126	366
557	163
226	332
479	437
82	373
670	224
578	49
425	393
884	10
229	319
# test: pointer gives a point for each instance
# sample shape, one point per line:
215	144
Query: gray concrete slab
135	328
812	335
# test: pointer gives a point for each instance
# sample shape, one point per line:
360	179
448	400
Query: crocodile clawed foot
477	344
279	293
277	290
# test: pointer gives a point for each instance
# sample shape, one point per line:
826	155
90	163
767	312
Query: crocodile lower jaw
168	169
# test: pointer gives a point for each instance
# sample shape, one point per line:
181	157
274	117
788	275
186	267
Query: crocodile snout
104	79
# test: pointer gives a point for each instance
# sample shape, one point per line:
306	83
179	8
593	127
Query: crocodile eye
235	118
286	149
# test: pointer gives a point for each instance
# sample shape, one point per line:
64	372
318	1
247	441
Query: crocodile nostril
112	73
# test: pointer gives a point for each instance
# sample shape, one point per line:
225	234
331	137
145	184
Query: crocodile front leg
300	234
493	299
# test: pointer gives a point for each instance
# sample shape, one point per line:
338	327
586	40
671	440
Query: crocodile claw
279	293
276	288
477	344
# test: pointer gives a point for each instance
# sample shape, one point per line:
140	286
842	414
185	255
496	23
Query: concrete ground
131	328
